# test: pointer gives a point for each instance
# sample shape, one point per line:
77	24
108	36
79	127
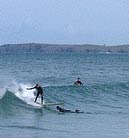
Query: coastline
34	47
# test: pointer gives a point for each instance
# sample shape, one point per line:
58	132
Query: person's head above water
57	107
78	78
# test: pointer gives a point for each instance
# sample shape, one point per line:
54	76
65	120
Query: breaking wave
107	96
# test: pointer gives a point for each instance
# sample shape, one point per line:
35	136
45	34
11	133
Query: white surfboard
48	104
38	104
33	104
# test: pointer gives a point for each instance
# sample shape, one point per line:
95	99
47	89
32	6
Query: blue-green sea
104	96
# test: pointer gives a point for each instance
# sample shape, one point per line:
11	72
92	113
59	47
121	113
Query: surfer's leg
36	97
41	99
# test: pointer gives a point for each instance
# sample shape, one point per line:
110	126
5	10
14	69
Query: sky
64	21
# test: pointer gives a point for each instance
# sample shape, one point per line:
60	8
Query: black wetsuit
40	92
78	82
67	111
62	109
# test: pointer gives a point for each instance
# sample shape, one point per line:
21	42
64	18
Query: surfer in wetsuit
78	82
39	92
60	109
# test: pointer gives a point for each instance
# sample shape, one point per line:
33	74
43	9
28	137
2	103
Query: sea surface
104	97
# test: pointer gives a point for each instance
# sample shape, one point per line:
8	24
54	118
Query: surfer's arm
31	88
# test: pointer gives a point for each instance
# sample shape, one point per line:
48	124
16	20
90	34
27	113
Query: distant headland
38	47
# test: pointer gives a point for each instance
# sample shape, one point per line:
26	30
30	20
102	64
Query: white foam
20	90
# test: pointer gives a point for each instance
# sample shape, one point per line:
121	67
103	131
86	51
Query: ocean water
104	97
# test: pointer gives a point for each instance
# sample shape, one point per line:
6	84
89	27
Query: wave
109	96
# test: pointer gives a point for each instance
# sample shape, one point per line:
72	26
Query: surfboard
34	105
48	104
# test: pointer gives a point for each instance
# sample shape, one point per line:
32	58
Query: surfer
39	92
78	82
60	109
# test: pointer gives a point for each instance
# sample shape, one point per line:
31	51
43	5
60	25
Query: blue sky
64	21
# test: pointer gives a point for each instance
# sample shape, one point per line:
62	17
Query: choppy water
103	98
